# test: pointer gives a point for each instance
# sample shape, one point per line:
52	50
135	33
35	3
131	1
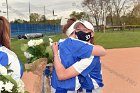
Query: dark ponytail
70	21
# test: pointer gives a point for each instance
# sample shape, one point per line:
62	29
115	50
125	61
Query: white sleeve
15	66
14	63
82	64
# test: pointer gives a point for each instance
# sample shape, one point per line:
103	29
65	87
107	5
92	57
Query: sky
20	8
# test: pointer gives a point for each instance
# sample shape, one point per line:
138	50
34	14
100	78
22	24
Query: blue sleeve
82	49
91	66
3	59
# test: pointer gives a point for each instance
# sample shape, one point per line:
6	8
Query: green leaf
2	77
34	58
8	70
7	66
46	40
50	60
31	50
10	79
49	50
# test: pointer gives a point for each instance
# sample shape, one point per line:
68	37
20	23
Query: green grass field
111	39
118	39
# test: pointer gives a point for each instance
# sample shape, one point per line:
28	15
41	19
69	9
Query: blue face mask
83	36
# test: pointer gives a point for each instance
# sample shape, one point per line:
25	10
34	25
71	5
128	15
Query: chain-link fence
21	29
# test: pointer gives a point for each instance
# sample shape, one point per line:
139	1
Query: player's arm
98	51
61	71
73	70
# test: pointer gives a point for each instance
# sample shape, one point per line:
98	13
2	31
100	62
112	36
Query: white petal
8	86
50	40
3	70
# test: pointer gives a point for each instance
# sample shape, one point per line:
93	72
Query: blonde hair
5	33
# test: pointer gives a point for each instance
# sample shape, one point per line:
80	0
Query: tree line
36	18
101	12
111	12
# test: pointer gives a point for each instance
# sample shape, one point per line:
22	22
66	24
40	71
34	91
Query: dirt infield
121	71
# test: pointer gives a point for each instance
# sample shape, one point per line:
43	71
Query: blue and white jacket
8	57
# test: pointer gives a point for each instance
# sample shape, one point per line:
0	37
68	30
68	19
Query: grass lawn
111	39
120	39
16	47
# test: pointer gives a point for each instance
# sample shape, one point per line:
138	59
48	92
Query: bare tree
134	14
119	6
98	10
111	12
135	4
94	9
114	10
105	6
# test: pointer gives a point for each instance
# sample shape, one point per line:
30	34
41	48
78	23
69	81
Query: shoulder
9	53
2	52
80	45
61	40
3	57
74	45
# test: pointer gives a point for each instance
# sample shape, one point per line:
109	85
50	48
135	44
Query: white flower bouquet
39	55
35	49
8	84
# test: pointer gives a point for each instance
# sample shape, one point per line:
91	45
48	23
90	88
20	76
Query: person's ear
92	34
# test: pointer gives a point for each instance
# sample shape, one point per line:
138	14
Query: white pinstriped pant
98	90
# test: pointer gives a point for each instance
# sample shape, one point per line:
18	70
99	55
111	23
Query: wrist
55	52
55	55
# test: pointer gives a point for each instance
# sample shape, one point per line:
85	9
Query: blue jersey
8	57
90	72
70	51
